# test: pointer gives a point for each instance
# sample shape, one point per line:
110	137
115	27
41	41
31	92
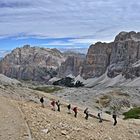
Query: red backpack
75	109
53	103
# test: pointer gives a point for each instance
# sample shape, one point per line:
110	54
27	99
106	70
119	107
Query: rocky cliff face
118	57
72	65
97	60
31	63
125	52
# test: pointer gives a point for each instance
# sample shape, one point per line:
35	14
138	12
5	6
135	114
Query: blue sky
65	23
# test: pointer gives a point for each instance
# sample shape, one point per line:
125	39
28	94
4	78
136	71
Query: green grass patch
108	112
48	89
133	113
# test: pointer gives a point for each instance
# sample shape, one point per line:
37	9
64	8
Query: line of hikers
75	110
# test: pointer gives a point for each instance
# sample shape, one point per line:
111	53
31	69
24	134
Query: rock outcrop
72	65
125	52
31	63
97	60
116	58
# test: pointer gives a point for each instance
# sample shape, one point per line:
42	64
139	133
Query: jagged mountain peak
116	57
132	35
37	49
32	63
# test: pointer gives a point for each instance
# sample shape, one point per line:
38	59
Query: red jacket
75	109
53	103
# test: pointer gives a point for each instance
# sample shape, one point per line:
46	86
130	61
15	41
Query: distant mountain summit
31	63
118	57
125	54
122	56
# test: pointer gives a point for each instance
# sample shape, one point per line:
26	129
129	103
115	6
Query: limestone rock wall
31	63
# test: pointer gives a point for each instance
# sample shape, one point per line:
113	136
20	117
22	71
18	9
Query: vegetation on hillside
133	113
68	82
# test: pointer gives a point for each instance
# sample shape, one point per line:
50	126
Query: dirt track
12	124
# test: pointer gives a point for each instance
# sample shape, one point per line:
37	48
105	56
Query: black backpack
114	116
85	111
41	100
69	106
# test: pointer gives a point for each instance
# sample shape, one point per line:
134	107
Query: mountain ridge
117	57
31	63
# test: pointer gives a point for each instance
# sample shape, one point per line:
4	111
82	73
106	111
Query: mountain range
122	56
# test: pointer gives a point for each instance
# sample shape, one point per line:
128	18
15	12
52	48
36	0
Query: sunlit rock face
118	57
125	53
97	60
31	63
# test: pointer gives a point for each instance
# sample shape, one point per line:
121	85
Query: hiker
87	113
58	105
99	116
114	116
69	108
53	105
42	101
75	112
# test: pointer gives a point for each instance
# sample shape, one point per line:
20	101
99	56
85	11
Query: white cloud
87	41
83	41
69	18
73	42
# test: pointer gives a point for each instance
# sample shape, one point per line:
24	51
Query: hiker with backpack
42	101
53	105
100	116
69	108
86	112
58	105
114	116
75	112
